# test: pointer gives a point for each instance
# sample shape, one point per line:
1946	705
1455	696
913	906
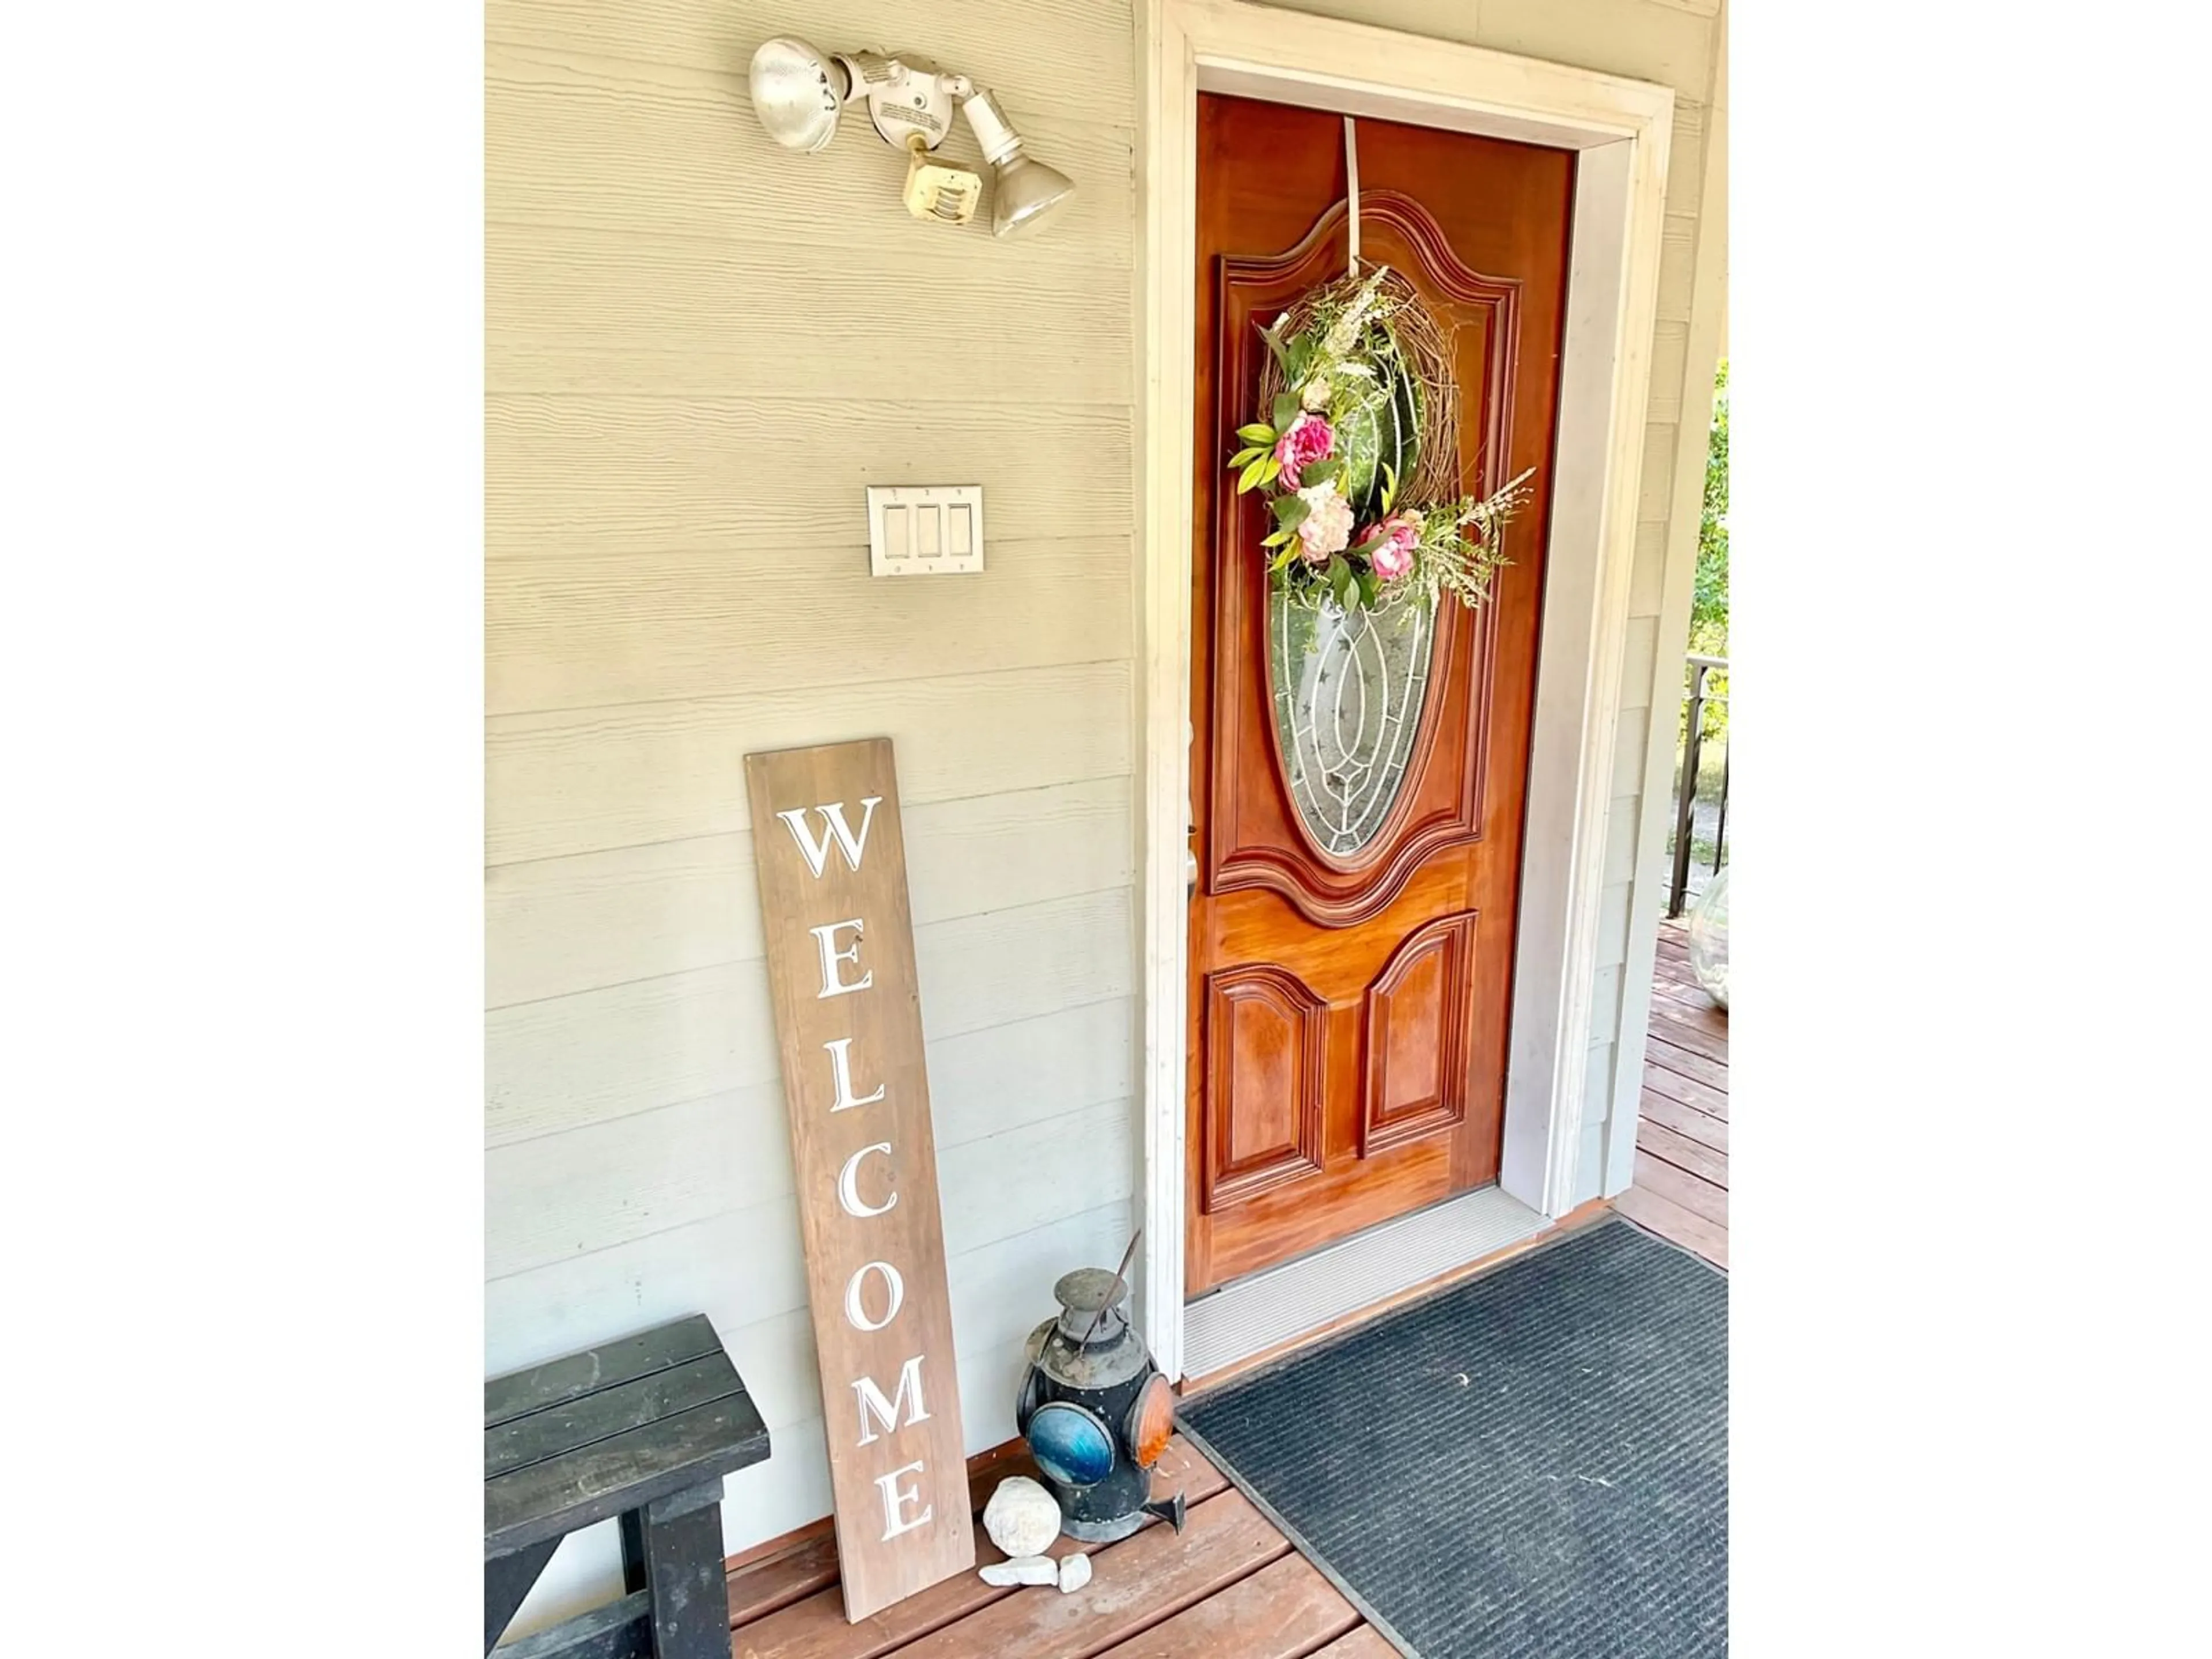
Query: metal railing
1700	669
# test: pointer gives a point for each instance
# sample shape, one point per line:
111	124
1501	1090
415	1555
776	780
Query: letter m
833	827
886	1411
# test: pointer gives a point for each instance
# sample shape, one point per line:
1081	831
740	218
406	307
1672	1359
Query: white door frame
1621	129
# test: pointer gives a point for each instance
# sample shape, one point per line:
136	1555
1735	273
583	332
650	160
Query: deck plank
790	1605
1698	1097
1656	1140
815	1628
1671	1056
1675	1224
1365	1643
761	1587
1680	1186
1694	1193
1135	1585
1693	1008
1686	1034
1661	1051
1278	1613
1684	1120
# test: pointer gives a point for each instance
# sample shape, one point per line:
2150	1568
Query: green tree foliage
1709	600
1709	607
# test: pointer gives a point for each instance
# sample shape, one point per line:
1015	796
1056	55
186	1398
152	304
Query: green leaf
1389	485
1290	512
1251	475
1340	580
1282	560
1246	456
1301	355
1274	470
1315	472
1278	538
1257	432
1286	410
1365	578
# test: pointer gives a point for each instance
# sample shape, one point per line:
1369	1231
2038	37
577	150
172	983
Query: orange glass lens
1152	1422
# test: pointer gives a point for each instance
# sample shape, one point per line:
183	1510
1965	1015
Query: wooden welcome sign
832	862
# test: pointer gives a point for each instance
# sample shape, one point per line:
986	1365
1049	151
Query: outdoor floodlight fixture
800	92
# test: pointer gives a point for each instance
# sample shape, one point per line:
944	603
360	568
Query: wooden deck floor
1680	1189
1231	1588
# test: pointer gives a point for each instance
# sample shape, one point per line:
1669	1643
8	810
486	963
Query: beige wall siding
699	350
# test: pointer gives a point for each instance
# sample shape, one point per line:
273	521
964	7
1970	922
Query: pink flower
1391	551
1308	440
1326	525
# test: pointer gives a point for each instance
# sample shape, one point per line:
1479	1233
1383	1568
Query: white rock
1022	1518
1022	1570
1075	1572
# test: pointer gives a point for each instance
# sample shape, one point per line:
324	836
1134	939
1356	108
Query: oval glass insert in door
1349	690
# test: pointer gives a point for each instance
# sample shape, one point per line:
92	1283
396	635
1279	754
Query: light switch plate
925	530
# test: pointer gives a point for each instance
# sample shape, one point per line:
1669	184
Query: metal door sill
1278	1304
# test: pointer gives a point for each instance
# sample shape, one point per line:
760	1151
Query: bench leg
507	1579
673	1547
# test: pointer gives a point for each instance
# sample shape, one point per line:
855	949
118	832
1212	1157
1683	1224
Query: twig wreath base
1361	413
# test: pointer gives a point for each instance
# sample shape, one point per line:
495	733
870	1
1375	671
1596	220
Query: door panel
1416	1015
1267	1045
1358	850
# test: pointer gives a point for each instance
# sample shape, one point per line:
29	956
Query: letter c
848	1184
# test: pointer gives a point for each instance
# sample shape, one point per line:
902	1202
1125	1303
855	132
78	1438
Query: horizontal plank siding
612	143
597	476
599	310
584	779
580	633
555	926
1073	55
584	1059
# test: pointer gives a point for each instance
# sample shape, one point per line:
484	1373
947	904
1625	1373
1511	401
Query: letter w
833	827
886	1411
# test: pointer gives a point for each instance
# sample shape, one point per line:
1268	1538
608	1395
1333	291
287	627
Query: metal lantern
1096	1412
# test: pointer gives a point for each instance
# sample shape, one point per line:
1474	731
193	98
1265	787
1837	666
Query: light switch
925	530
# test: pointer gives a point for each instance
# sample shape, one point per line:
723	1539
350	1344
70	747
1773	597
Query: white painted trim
1647	891
1622	128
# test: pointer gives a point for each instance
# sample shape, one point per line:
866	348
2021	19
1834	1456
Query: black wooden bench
644	1428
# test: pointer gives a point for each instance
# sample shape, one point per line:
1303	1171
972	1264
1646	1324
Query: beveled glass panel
1348	694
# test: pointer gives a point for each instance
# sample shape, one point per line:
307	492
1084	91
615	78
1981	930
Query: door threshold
1278	1305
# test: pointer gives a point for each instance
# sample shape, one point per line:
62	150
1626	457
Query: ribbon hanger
1352	184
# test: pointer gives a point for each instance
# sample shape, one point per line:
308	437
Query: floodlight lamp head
799	93
1023	189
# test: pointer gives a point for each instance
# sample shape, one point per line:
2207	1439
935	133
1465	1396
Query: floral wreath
1363	409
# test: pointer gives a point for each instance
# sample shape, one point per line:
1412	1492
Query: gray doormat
1530	1465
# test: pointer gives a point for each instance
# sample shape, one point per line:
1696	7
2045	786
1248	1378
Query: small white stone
1022	1570
1022	1518
1075	1572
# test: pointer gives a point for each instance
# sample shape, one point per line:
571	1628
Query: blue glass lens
1070	1444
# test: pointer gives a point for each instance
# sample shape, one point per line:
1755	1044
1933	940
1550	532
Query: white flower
1326	525
1316	397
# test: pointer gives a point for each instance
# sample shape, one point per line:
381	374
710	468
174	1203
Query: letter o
892	1282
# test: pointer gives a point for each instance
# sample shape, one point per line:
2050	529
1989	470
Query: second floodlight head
799	92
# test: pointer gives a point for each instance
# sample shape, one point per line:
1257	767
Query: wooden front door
1358	796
